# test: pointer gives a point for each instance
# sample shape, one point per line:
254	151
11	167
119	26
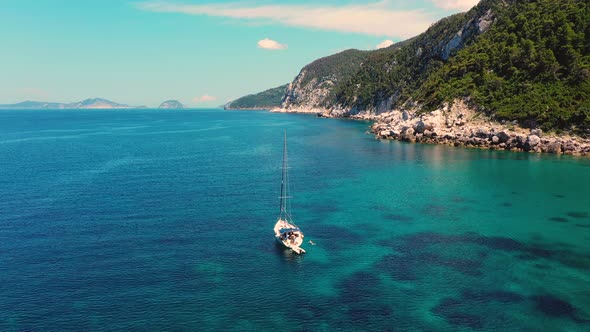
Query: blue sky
203	53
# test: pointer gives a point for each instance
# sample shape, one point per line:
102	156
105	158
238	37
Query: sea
162	220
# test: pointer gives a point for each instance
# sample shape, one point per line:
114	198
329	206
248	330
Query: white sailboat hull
289	235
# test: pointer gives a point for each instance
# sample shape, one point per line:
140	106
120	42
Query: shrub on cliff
533	66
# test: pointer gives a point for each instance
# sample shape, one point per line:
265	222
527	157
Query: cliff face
526	61
314	87
377	81
477	24
531	66
308	94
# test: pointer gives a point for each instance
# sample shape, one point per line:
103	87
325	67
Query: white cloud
384	44
375	19
270	44
455	4
204	99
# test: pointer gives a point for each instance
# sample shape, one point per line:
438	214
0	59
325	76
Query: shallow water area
151	220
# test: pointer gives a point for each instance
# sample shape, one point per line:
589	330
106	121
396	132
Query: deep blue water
162	220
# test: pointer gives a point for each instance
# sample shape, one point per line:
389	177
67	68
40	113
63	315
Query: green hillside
523	60
267	99
398	70
335	67
533	66
315	85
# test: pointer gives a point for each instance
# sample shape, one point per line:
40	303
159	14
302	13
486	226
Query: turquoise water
154	220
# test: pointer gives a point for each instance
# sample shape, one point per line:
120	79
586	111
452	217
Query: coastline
246	109
301	110
459	126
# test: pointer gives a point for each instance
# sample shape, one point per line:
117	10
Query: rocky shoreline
461	126
316	111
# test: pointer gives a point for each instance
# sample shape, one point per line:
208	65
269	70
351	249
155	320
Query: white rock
533	140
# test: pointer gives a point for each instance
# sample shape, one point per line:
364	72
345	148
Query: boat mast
283	214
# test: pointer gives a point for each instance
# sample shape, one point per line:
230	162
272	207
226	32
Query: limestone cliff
376	81
526	61
314	87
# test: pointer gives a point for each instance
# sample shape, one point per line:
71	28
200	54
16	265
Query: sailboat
286	232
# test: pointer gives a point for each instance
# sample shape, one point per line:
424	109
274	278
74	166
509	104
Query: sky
202	53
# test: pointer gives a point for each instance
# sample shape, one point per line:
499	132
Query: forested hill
315	86
525	60
270	98
385	78
533	66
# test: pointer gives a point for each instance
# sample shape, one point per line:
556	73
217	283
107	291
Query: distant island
92	103
171	104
